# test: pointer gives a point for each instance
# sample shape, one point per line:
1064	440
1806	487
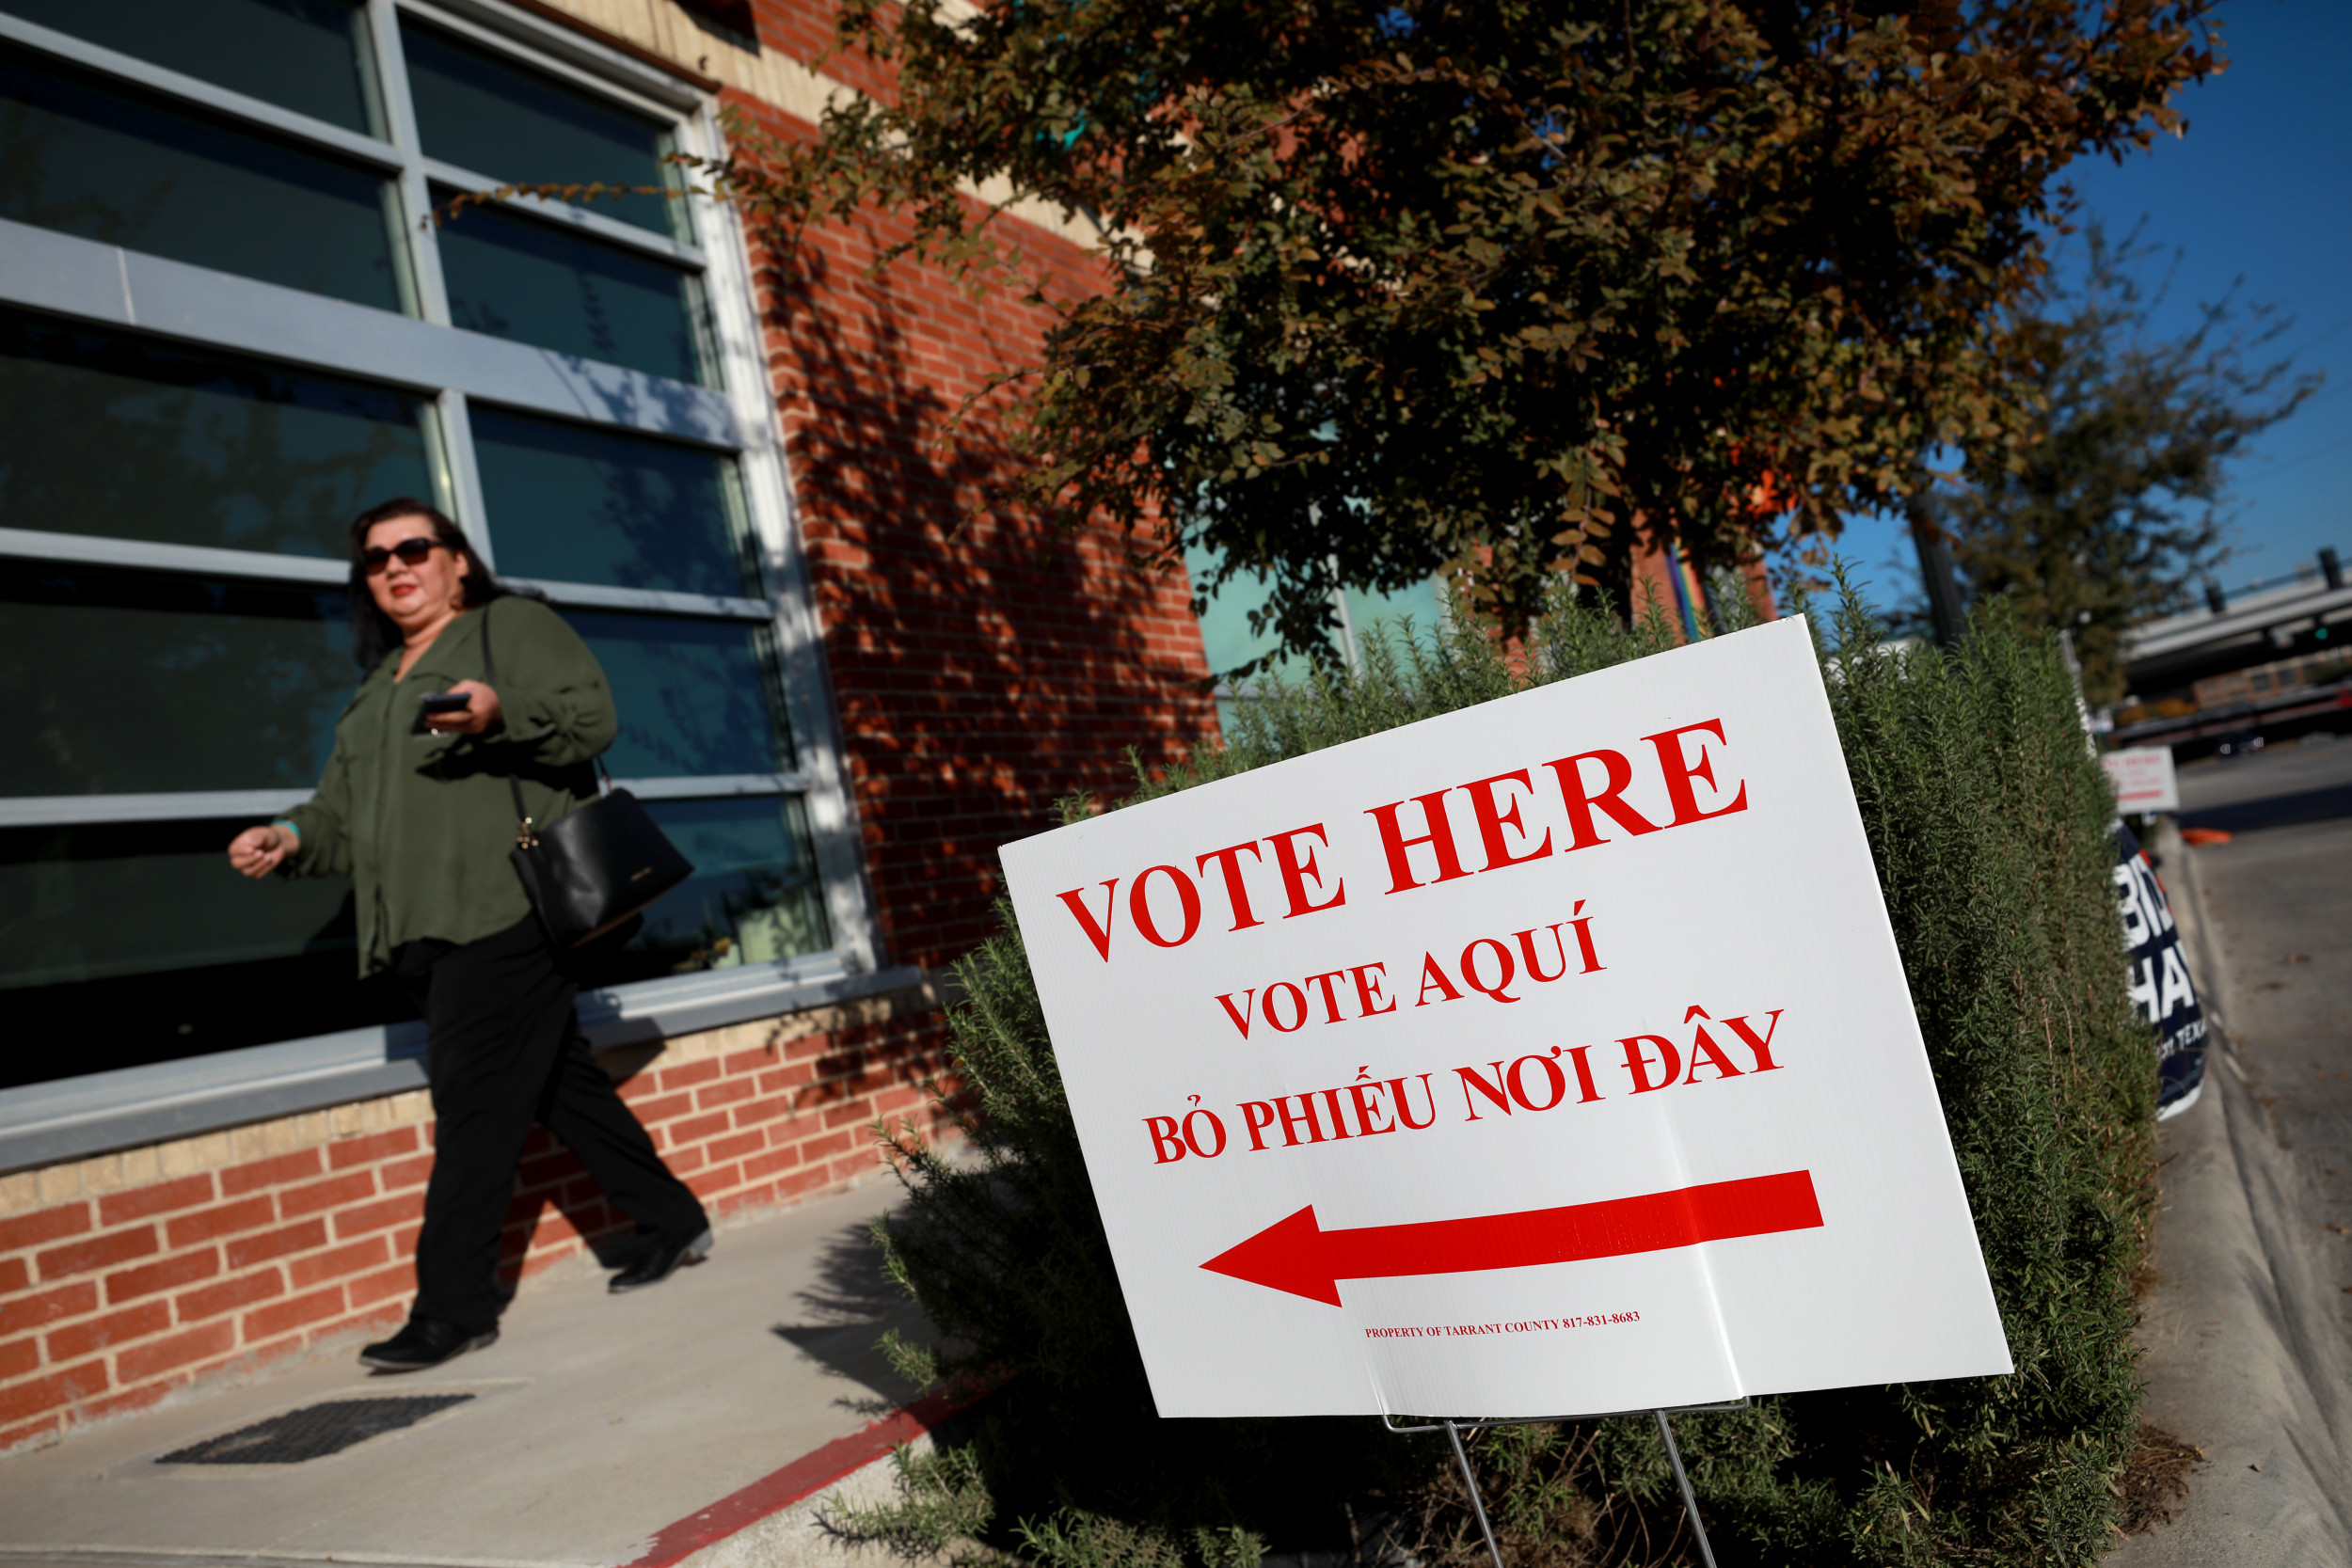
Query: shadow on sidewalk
846	1312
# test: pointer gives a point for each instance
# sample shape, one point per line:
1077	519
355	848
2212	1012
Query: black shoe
422	1342
659	1261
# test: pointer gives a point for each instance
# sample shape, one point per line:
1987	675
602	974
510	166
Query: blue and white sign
2160	987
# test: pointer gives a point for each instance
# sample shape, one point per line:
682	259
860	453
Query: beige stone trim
101	1174
667	29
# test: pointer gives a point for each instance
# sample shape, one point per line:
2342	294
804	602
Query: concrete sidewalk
602	1430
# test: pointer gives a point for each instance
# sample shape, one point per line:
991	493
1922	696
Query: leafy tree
2110	510
1392	286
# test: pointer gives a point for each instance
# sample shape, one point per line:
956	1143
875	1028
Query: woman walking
415	808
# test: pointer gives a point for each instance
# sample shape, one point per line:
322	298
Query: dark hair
373	632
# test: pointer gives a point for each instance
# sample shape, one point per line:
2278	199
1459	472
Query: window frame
423	355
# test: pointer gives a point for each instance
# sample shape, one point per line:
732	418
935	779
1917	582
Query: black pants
505	1050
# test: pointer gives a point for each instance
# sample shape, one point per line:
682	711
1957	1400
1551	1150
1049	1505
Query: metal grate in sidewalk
312	1432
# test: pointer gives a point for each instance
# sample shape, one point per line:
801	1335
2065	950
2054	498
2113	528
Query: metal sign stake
1453	1430
1682	1478
1478	1505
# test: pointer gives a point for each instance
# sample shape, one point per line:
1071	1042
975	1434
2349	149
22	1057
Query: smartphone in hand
439	701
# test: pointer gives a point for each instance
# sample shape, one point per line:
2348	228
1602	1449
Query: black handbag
595	868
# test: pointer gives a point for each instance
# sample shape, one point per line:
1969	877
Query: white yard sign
1548	1058
2143	778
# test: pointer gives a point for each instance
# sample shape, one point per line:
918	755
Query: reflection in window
489	115
754	897
1362	614
304	54
108	900
126	168
582	505
693	695
219	961
107	433
1372	613
512	278
1225	635
123	683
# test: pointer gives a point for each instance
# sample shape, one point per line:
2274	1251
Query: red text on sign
1513	819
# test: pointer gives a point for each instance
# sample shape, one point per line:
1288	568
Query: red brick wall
113	1299
803	30
981	668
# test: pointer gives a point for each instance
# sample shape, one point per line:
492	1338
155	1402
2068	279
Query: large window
225	326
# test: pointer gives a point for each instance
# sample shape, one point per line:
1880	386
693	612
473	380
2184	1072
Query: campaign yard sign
2143	778
2157	974
1549	1057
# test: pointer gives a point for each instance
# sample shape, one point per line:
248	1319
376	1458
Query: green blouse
421	822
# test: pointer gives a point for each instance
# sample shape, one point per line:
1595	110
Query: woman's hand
480	714
259	852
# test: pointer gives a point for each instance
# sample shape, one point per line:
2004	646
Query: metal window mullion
88	549
649	601
464	475
1351	646
424	244
836	842
209	805
42	269
202	95
565	214
557	52
206	805
416	194
716	787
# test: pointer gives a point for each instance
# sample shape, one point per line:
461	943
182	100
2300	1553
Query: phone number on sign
1523	1325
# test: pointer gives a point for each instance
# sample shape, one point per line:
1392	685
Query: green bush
1988	819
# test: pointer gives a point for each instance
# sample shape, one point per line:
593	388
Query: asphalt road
2279	896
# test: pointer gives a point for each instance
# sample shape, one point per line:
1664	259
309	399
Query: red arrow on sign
1298	1255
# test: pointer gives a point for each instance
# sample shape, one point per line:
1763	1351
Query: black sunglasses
411	552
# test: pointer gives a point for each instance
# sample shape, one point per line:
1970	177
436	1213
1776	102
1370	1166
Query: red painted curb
804	1478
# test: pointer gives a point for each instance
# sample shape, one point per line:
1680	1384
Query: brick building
224	328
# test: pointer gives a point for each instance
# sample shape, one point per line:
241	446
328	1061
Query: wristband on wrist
281	822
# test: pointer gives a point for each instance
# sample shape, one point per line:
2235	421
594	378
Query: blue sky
2260	188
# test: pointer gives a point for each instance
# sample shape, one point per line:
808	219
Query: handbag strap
524	837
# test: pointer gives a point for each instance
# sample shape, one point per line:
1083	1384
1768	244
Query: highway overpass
2311	615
